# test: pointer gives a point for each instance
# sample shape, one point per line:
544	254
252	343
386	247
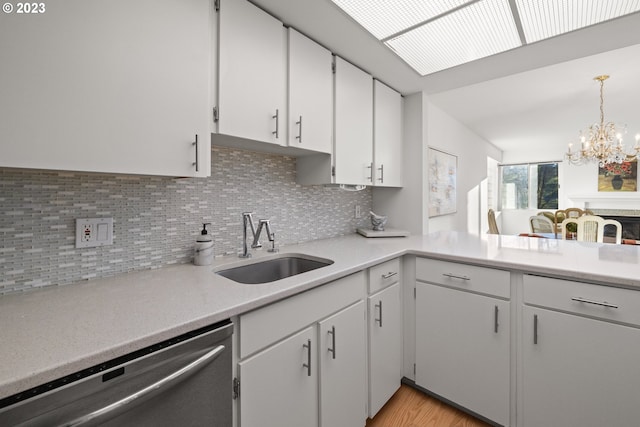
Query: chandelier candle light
603	142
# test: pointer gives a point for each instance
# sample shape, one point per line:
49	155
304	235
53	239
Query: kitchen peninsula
56	331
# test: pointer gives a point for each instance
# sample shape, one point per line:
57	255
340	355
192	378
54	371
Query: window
529	186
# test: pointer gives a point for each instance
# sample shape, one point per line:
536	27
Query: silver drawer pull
332	350
277	119
453	276
588	301
389	274
308	364
196	163
379	320
299	123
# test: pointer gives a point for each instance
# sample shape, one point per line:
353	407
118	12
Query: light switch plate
92	232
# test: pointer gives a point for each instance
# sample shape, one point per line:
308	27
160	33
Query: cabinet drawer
462	276
604	302
265	326
383	275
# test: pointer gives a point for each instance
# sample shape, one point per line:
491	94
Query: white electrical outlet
92	232
358	211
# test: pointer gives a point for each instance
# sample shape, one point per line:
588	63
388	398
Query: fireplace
630	226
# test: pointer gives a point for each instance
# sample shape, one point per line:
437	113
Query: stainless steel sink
272	269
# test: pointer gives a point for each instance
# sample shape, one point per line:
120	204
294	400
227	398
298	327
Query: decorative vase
616	182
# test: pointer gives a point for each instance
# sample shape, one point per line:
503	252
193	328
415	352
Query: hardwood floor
412	408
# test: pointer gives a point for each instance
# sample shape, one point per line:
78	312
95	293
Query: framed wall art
443	169
618	176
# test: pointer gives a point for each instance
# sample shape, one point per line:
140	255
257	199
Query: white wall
426	125
448	134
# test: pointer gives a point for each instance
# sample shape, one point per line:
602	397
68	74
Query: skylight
432	36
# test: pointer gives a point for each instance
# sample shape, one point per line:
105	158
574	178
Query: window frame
532	196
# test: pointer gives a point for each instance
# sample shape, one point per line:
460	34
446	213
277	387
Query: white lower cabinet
577	370
385	333
280	384
342	368
463	337
309	369
385	346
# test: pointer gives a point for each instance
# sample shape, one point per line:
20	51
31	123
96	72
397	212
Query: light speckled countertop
49	333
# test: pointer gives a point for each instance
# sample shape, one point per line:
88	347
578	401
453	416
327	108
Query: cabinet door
251	73
310	94
385	346
459	354
110	86
387	136
342	368
579	371
353	143
278	387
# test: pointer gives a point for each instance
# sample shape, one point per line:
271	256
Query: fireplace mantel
606	200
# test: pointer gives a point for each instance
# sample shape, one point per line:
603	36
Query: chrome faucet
247	221
270	235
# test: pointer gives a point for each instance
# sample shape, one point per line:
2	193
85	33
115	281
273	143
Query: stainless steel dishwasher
185	381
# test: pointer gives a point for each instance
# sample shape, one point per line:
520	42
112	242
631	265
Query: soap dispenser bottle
204	247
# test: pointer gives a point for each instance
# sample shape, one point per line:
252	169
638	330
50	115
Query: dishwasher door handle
109	411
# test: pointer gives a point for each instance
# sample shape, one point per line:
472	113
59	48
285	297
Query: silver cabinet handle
535	329
588	301
381	169
140	396
379	320
370	167
196	145
453	276
332	350
277	117
389	274
308	364
495	319
299	123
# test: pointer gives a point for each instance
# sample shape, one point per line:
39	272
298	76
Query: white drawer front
605	302
383	275
462	276
266	325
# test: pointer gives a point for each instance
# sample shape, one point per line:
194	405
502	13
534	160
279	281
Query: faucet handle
272	239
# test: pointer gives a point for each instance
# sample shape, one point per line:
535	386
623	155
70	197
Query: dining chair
493	225
590	228
541	224
552	217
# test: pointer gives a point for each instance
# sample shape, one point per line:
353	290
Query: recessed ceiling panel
385	18
542	19
476	31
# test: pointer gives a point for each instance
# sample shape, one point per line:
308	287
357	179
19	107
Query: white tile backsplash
157	219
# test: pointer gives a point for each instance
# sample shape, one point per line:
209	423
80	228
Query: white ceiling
538	95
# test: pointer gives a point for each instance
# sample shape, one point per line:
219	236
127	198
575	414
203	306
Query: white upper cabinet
387	136
110	86
353	140
310	94
251	76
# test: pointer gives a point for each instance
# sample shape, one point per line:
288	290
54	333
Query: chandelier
602	142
